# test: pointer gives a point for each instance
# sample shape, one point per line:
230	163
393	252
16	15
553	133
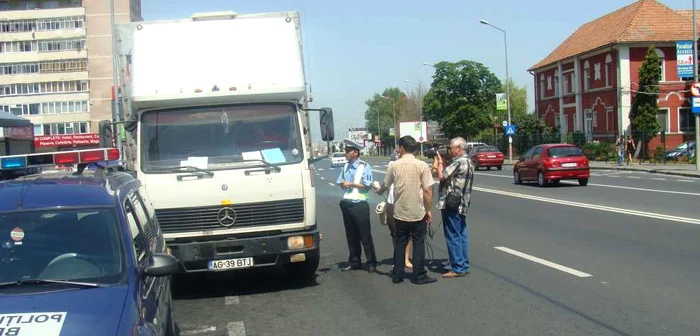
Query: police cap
352	144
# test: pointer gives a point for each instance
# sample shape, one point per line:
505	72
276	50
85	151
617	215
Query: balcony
35	56
43	77
41	13
59	34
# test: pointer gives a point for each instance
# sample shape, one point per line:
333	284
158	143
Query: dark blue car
81	253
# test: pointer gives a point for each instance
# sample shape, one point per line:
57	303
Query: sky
354	49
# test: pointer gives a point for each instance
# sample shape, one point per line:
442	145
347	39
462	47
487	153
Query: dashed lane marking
544	262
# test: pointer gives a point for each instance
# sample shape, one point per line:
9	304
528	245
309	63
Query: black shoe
372	269
396	279
351	267
423	280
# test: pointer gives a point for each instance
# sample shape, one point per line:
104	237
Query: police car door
153	291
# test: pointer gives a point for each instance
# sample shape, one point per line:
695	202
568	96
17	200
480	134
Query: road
617	257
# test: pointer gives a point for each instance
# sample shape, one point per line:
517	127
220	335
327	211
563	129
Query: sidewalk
677	169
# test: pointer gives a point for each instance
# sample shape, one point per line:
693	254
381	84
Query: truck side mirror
106	134
327	127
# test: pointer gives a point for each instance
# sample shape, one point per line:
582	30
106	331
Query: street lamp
393	106
505	45
695	78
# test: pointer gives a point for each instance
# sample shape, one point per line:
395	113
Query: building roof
641	21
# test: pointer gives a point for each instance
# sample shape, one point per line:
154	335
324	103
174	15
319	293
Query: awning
11	120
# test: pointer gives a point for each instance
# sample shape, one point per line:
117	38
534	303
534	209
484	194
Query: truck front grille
250	214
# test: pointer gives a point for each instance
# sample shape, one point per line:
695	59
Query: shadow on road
213	285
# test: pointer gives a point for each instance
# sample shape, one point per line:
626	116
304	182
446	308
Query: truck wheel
304	271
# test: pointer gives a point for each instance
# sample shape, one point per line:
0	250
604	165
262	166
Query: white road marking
658	179
236	329
202	330
331	184
615	186
685	181
320	169
544	262
230	300
323	178
594	207
613	175
634	177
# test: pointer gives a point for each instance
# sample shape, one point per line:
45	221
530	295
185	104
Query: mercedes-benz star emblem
224	187
226	217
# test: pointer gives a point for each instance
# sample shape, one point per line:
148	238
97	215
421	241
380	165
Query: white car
338	159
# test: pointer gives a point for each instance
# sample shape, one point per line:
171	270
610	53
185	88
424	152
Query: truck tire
304	271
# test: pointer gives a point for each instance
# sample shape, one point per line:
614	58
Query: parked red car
552	163
486	156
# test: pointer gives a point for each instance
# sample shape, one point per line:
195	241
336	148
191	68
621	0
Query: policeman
355	179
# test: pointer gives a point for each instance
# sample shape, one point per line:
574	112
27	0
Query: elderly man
454	199
355	179
413	198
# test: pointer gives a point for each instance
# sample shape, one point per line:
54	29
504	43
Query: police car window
67	244
139	242
144	219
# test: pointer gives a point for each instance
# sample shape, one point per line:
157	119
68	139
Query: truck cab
224	150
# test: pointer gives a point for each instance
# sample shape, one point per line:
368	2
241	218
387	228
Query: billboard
417	129
501	102
67	140
684	59
358	134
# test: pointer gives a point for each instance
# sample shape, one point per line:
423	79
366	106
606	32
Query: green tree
531	124
382	106
462	98
645	107
518	100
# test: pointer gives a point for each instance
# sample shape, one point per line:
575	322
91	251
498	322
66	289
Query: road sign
510	129
695	89
420	139
696	105
504	123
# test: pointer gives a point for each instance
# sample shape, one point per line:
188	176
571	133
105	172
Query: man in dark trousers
413	198
355	179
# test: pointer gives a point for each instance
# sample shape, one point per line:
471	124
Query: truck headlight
300	242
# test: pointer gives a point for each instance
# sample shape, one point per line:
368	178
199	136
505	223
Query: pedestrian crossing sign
510	129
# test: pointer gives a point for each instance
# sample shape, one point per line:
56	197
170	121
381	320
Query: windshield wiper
44	282
265	164
192	169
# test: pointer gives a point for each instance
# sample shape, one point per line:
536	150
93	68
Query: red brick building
588	82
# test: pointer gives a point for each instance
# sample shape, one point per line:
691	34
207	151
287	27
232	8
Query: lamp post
695	79
420	104
505	45
115	81
393	106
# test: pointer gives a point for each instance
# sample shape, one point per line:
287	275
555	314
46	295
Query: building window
61	45
11	5
662	64
82	127
608	70
43	88
662	117
686	120
44	67
556	83
586	76
557	121
542	87
566	83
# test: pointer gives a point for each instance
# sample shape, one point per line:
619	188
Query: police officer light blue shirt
348	175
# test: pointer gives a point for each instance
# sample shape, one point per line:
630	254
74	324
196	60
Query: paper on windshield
201	162
274	156
252	155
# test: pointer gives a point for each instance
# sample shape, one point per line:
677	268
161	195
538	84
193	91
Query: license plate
570	164
491	156
227	264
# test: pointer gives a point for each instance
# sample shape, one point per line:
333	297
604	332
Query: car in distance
486	156
551	163
338	159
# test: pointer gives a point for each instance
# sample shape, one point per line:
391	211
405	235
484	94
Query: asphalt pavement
617	257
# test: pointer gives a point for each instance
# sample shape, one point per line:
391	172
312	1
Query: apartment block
56	66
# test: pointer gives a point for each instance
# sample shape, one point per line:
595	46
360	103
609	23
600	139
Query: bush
599	151
693	160
659	153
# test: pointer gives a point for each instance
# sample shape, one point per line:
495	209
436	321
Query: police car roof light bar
85	156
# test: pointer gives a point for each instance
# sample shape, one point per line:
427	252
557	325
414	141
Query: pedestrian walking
413	198
456	179
355	179
620	147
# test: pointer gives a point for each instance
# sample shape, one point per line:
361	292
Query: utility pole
695	79
116	118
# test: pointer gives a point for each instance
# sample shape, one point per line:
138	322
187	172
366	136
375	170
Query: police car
81	253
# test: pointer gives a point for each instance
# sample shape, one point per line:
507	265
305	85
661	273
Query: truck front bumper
266	250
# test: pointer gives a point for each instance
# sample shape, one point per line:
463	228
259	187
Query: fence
650	147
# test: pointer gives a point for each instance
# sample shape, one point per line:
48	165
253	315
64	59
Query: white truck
217	130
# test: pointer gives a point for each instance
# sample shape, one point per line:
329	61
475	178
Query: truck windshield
70	244
216	138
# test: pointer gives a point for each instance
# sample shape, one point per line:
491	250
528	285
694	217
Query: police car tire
304	270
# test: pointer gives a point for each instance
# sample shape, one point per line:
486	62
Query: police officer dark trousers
355	180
